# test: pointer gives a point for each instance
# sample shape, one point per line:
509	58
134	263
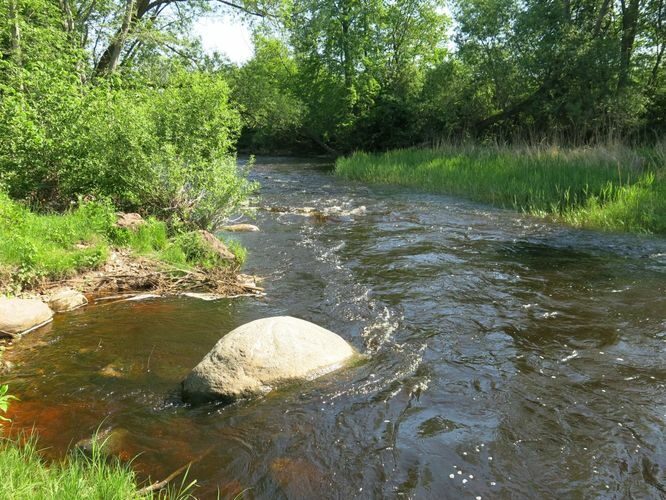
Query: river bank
61	262
608	188
96	250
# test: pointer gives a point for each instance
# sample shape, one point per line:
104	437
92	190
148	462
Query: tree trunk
629	28
600	17
68	19
661	45
108	62
135	11
15	33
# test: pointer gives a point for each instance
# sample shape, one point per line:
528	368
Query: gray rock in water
67	300
255	358
22	315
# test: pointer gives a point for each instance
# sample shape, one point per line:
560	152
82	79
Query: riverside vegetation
110	105
25	474
614	189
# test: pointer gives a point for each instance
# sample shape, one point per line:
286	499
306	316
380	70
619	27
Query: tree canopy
339	75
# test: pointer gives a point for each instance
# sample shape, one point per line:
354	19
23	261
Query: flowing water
508	357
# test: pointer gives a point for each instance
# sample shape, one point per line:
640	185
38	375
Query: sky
226	35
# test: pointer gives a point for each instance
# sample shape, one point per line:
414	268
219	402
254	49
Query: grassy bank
25	475
35	248
606	188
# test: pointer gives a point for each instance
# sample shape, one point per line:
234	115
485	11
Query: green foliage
37	247
374	75
161	142
25	475
201	195
607	189
159	150
265	89
190	249
52	246
5	398
239	251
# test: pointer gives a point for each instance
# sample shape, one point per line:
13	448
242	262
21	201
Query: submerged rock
6	367
108	442
111	371
23	315
255	358
241	228
67	300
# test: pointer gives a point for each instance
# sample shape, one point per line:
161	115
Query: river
509	357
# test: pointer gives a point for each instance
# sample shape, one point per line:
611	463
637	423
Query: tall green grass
36	247
24	475
608	188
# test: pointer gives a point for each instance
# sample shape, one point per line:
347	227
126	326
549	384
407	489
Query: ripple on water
507	357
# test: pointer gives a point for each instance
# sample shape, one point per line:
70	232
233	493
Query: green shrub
163	149
5	398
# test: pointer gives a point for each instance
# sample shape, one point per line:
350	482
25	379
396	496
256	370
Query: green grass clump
37	247
606	188
26	476
52	246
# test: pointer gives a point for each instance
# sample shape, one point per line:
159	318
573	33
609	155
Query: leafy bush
5	398
200	195
162	149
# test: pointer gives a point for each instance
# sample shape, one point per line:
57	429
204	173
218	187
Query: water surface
508	357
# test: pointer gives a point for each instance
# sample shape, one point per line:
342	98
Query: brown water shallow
522	358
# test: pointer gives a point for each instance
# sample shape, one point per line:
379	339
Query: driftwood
163	483
125	273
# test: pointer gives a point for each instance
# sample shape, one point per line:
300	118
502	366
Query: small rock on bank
217	246
260	355
22	315
129	220
241	228
67	300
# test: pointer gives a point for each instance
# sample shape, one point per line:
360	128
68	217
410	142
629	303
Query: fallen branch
161	484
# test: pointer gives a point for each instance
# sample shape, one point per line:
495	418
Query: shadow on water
508	357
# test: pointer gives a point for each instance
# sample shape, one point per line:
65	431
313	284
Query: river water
508	357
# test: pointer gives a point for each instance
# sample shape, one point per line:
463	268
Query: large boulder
22	315
67	300
260	355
